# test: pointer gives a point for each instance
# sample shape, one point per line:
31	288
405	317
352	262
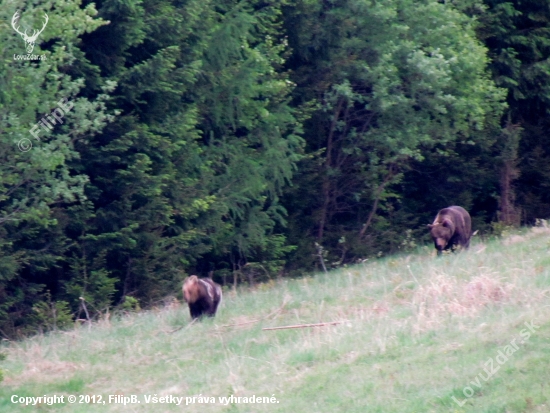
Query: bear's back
460	217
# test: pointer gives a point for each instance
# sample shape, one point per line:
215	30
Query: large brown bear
203	296
451	226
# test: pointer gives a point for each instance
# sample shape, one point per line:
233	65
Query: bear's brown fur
452	226
202	295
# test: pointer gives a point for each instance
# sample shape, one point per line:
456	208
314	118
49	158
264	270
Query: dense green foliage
517	34
253	139
395	82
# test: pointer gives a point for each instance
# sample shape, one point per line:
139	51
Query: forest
144	141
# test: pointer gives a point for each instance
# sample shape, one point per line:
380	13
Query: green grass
415	332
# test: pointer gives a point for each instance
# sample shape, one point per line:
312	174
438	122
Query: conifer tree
41	119
205	142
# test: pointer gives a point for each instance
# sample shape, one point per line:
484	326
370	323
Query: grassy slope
418	331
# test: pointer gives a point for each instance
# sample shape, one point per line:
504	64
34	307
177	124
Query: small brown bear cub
203	296
451	226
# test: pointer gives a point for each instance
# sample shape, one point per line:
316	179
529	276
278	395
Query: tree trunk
508	212
326	178
387	179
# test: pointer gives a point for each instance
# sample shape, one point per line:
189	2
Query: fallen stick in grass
180	327
278	310
305	325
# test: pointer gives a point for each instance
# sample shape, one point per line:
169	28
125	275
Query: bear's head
191	289
441	233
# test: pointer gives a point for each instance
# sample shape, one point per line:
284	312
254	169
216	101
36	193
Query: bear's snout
440	243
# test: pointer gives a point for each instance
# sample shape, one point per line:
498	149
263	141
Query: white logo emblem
30	40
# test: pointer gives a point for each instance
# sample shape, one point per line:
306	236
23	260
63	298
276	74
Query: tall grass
415	331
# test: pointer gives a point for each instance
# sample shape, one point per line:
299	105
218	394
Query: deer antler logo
30	40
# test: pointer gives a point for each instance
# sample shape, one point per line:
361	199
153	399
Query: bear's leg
211	309
454	242
193	312
463	242
196	310
449	246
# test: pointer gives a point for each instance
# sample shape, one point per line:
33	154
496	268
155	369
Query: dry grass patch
446	295
513	239
44	371
540	230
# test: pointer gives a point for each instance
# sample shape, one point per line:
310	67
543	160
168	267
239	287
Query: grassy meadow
416	334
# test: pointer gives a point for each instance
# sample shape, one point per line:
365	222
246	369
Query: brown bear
202	295
451	226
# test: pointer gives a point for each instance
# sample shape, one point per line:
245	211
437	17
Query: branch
376	200
320	255
278	310
8	217
327	166
180	327
305	325
83	304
